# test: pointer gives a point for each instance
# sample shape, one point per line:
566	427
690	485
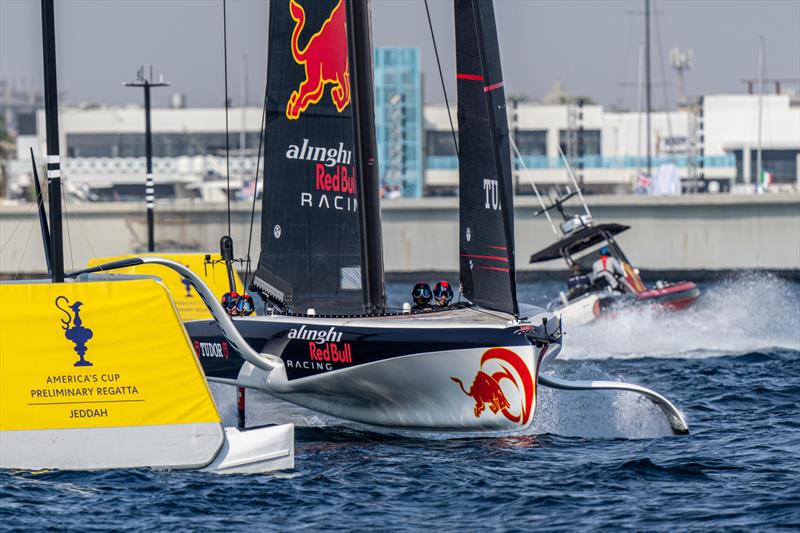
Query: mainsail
315	235
484	162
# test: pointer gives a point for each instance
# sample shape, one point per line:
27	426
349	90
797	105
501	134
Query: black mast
648	84
149	188
53	159
360	48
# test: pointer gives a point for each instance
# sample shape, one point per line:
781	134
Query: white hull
484	387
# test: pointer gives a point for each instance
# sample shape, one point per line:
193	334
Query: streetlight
149	189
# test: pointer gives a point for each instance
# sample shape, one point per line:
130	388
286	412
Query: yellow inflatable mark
188	302
97	354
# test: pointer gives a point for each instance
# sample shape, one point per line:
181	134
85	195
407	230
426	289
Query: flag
766	179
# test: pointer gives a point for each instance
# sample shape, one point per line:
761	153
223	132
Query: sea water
591	461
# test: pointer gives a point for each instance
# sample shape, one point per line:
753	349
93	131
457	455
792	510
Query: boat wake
755	313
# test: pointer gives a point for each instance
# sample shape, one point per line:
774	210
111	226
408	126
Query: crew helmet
245	305
228	301
443	293
421	293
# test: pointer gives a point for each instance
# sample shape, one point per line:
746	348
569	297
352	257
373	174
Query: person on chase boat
421	294
443	293
578	282
609	269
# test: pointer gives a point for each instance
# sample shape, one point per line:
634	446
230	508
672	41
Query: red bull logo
486	387
324	59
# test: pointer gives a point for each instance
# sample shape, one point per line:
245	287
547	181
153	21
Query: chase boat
591	297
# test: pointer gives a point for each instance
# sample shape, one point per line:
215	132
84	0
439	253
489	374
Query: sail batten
315	240
486	191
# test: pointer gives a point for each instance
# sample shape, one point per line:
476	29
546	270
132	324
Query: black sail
313	243
485	180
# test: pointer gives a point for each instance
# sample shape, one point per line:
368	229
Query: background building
715	140
398	119
712	142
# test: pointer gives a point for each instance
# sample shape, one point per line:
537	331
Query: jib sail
484	162
315	240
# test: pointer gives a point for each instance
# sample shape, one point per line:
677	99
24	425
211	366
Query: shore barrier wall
687	233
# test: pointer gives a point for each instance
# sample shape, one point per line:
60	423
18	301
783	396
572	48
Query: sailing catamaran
329	343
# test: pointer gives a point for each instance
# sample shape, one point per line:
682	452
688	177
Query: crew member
245	305
608	268
578	283
421	294
443	293
228	301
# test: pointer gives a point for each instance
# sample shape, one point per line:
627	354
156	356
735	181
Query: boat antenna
441	77
530	180
42	216
53	158
574	181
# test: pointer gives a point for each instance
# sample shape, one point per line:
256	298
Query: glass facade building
398	120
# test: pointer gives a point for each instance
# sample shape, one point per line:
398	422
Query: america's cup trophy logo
73	328
324	59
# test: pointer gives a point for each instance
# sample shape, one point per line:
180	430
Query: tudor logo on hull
334	177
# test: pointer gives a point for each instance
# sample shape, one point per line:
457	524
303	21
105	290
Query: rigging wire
574	181
261	135
530	180
24	250
66	226
441	77
227	141
26	212
664	84
227	132
80	227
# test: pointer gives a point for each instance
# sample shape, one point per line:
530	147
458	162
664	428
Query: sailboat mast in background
51	124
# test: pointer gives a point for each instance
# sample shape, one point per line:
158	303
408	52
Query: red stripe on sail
474	77
493	86
496	247
493	257
493	268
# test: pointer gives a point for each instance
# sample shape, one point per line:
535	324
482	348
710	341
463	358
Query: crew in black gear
421	294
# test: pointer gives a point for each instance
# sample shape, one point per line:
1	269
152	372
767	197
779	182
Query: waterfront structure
104	146
716	140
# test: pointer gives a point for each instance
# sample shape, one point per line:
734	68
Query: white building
103	147
723	139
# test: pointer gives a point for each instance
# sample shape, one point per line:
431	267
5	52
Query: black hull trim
311	349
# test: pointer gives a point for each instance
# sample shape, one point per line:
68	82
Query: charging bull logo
325	61
74	330
486	387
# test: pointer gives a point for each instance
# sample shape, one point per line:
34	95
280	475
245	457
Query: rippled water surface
591	461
